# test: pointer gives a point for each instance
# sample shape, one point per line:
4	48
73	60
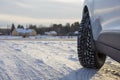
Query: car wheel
87	53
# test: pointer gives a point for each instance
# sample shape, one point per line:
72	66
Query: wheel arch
95	23
89	9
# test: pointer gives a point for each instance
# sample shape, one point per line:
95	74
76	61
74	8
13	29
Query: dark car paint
109	44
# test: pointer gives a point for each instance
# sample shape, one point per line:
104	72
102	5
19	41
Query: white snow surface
51	32
34	60
20	30
42	60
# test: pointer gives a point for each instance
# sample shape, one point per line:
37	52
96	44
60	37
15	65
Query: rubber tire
87	52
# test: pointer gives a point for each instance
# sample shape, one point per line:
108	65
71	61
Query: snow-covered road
48	60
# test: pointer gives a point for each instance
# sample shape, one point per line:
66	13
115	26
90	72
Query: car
99	33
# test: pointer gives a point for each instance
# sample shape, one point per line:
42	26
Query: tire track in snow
3	72
4	75
29	72
20	63
41	73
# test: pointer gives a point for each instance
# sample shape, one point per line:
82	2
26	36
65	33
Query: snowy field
49	60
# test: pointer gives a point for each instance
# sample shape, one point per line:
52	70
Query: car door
108	12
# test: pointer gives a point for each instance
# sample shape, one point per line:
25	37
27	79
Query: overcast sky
39	11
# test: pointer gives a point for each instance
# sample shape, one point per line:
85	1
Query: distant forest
62	30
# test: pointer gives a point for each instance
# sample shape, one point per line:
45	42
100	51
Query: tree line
62	30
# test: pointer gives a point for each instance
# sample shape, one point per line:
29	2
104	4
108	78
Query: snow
10	37
44	60
76	32
20	30
24	60
51	32
36	37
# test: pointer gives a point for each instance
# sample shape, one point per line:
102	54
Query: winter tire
87	52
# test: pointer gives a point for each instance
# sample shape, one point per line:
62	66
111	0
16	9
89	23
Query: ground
49	60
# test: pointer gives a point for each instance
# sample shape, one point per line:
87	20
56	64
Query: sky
43	12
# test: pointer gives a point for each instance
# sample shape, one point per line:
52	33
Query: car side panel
105	21
108	50
104	15
108	13
95	28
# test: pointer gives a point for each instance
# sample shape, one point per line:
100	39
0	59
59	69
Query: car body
105	21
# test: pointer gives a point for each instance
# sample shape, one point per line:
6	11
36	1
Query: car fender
95	22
